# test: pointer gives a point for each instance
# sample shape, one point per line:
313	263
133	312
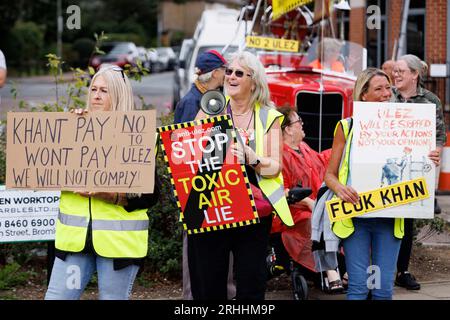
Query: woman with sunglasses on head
105	232
409	72
259	148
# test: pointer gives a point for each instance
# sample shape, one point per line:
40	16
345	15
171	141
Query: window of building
415	31
376	39
342	15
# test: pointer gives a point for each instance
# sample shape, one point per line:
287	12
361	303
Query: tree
27	43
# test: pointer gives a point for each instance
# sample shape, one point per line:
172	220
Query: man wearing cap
210	71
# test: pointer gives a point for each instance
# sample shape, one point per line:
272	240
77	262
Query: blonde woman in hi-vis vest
366	241
103	232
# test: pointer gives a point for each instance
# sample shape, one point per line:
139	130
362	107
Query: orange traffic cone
444	177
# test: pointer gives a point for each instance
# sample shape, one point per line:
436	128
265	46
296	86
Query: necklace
242	114
243	119
244	133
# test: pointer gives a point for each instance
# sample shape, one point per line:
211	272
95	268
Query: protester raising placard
211	187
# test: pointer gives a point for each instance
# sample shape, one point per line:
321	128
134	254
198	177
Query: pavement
430	290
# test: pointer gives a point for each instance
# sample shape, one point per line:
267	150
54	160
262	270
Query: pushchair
291	252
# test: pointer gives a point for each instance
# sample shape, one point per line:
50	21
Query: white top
2	60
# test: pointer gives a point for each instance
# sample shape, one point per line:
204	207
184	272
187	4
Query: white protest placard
28	215
391	143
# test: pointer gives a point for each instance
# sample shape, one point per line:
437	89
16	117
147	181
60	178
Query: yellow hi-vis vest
344	228
116	233
273	188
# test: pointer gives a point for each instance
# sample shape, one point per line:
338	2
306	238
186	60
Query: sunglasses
119	69
237	72
116	68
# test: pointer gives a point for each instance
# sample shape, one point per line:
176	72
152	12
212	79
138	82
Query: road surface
156	89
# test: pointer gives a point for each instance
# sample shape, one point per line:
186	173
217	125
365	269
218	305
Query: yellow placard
386	197
280	7
272	44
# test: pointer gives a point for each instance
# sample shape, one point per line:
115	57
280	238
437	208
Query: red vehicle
118	53
318	80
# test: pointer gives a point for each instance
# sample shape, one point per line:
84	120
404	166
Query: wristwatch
257	162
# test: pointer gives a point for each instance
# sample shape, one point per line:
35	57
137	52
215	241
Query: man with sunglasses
209	69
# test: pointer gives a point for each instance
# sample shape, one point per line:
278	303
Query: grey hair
416	65
119	88
261	93
204	78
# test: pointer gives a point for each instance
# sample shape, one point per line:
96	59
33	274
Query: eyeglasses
285	124
399	71
237	72
299	120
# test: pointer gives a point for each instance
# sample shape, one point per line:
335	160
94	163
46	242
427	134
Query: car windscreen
122	48
336	56
106	48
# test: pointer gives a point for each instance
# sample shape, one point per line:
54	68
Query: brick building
427	31
427	35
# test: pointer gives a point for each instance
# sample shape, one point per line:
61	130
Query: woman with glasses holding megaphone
259	147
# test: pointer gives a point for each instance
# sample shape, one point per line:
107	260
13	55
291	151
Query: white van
216	29
180	69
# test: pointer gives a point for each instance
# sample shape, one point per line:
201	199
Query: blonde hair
363	81
416	65
261	93
119	88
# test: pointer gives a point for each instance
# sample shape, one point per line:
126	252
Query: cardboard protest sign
394	195
211	188
100	151
28	215
391	143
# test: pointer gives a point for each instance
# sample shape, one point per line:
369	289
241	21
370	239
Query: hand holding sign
435	156
347	193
